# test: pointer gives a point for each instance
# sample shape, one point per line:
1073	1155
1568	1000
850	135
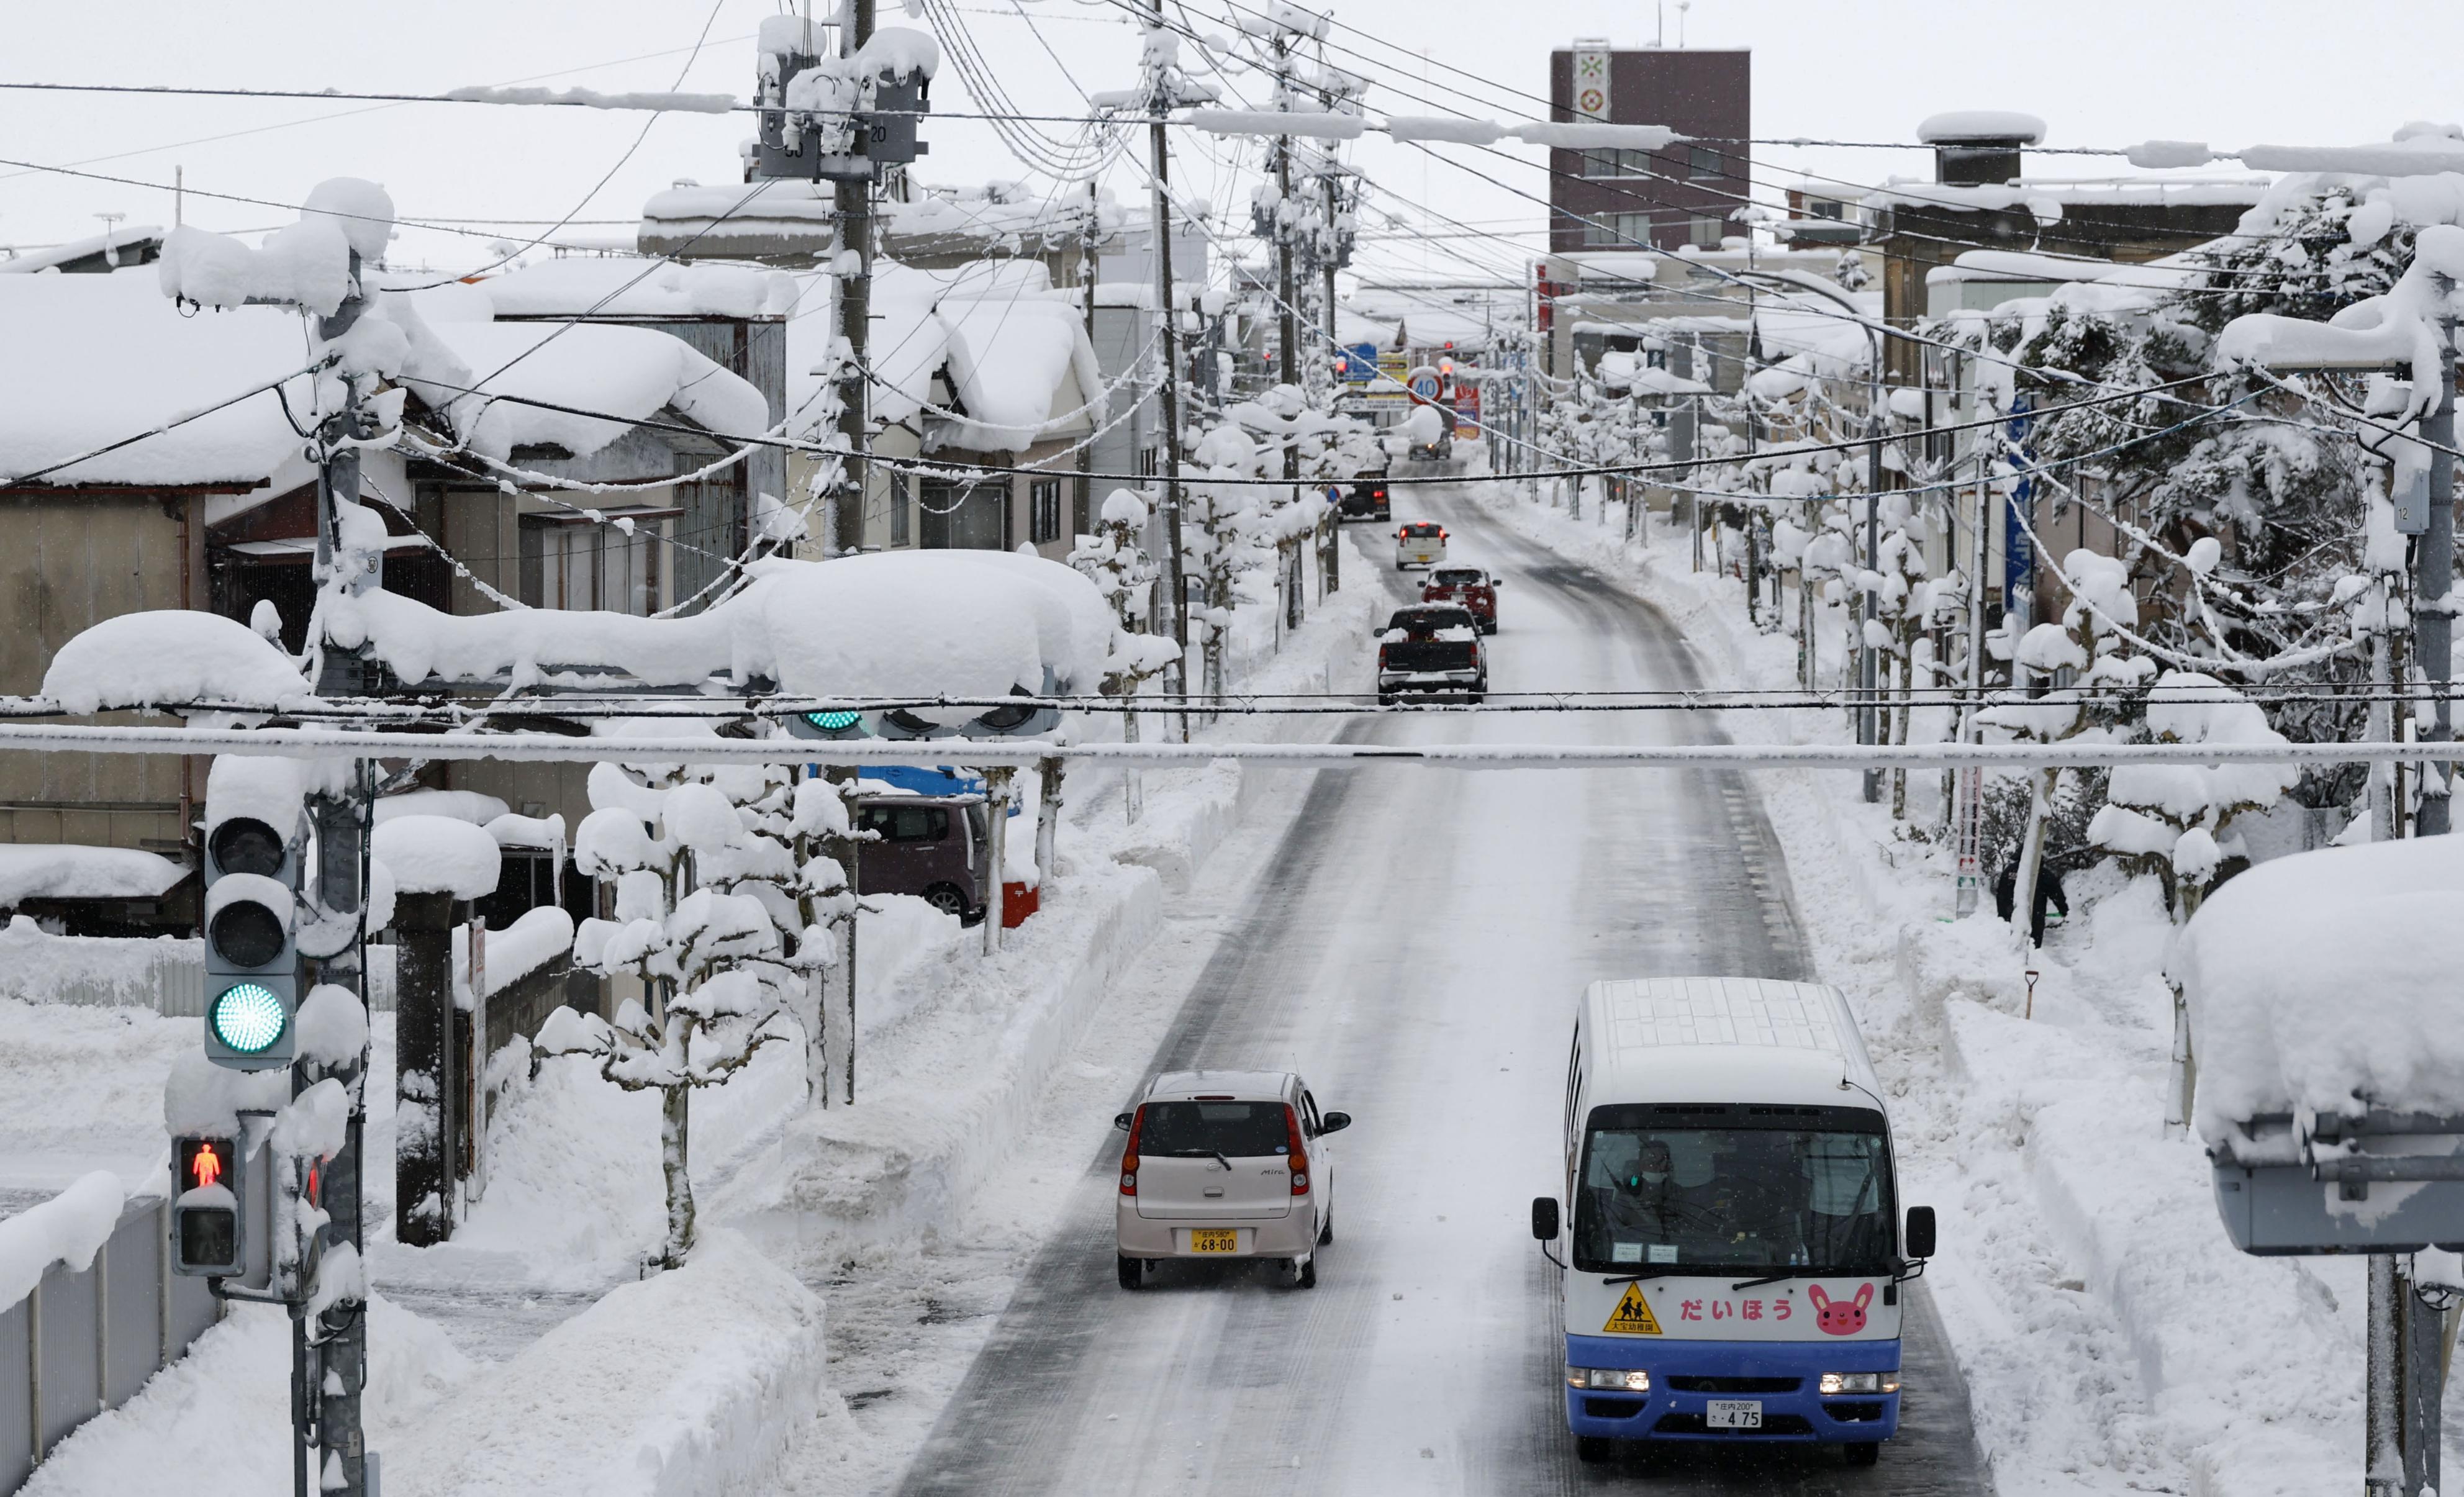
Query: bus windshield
1748	1199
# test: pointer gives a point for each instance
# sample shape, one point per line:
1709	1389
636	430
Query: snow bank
87	970
220	1415
171	656
70	1228
2278	963
438	855
687	1383
37	871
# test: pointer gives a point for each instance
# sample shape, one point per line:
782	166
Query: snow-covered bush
2175	821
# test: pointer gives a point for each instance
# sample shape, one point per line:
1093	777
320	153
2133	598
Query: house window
902	527
1702	160
1617	164
1147	462
1708	231
618	567
1043	510
962	517
1618	229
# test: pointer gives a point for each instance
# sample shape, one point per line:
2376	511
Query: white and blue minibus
1732	1258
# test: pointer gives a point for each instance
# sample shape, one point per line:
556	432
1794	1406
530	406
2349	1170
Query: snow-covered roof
2327	981
42	870
626	286
90	359
1979	126
631	373
133	237
1714	1039
2046	199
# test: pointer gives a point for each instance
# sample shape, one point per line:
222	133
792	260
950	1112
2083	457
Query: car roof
1260	1086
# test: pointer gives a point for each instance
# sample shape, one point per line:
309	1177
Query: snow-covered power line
1014	753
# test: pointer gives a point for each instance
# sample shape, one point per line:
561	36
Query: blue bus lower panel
1784	1377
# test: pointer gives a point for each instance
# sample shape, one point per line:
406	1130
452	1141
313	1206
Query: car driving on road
1431	646
1367	497
1420	542
1225	1164
1468	585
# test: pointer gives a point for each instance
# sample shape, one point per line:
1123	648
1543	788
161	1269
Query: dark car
1468	585
1432	647
930	847
1366	499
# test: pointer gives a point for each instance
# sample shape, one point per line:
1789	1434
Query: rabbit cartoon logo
1840	1317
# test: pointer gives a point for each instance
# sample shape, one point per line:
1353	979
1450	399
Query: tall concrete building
1608	199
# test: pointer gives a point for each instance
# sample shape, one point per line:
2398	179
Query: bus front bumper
1783	1377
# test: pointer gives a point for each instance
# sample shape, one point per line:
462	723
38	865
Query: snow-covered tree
2175	821
724	914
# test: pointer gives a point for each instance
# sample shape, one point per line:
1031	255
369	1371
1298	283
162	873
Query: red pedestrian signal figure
205	1228
206	1168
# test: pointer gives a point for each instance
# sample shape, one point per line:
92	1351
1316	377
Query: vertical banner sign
1592	82
2019	513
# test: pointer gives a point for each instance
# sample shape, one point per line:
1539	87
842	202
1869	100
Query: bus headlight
1859	1382
1621	1379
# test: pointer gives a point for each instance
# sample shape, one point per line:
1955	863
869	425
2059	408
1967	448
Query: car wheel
1385	699
947	898
1326	1233
1303	1272
1593	1449
1869	1453
1133	1273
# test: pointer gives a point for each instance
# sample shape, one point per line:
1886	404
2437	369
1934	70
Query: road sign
1357	364
1425	386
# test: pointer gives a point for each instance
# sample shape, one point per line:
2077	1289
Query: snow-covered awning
625	286
43	870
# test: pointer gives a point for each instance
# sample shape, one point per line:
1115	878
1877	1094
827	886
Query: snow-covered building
984	366
150	460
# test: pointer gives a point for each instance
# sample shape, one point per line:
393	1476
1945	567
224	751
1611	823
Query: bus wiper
1636	1278
1755	1283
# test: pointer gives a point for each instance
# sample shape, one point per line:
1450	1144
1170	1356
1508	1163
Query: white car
1225	1164
1422	542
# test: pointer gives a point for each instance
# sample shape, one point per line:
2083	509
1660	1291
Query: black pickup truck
1432	647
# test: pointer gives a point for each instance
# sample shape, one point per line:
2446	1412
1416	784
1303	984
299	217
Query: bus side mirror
1920	1232
1544	1218
1121	1121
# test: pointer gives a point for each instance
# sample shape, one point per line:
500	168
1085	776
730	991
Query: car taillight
1442	534
1380	494
1298	1154
1381	657
1130	1156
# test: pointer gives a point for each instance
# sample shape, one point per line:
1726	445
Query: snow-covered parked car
1420	542
1432	647
1225	1164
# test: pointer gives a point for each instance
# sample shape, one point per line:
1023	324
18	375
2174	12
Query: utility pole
335	941
2434	564
1866	658
1333	549
1089	248
1285	292
853	202
1167	387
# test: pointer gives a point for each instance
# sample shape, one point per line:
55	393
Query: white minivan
1225	1164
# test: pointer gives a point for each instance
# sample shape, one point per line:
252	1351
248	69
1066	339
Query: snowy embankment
2112	1339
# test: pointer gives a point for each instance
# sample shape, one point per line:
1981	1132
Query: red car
1468	585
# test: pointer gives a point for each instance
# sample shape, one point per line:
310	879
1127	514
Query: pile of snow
2399	326
475	806
101	971
605	287
537	937
307	264
1957	127
70	1228
172	655
437	855
692	1381
2328	981
44	871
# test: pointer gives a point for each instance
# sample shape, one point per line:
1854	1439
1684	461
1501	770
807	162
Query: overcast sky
2102	74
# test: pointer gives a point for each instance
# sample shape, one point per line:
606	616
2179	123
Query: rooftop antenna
1659	35
1682	6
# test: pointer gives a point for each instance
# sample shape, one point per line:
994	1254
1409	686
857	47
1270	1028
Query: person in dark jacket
2049	893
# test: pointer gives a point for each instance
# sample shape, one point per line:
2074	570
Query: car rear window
1420	530
1456	577
1235	1130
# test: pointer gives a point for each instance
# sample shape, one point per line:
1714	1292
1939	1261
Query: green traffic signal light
246	1017
833	722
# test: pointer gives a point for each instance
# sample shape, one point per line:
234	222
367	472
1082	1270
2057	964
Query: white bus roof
1723	1040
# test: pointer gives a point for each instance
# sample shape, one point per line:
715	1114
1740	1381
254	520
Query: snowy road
1415	948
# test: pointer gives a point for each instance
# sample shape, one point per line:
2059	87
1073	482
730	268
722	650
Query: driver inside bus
1645	1202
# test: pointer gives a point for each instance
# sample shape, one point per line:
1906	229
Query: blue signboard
2019	548
1357	364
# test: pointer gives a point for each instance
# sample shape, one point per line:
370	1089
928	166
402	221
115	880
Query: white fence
165	975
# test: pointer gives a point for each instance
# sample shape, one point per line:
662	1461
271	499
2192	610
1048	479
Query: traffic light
252	962
828	725
206	1238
